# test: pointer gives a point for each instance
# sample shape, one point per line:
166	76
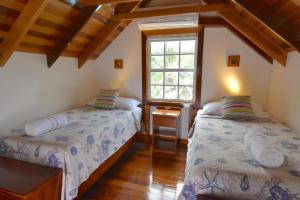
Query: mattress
91	137
219	164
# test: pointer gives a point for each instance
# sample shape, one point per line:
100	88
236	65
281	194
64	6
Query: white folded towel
264	152
45	125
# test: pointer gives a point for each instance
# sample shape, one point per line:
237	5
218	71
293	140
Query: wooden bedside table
165	124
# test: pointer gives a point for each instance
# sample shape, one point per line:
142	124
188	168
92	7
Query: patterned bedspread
219	164
90	138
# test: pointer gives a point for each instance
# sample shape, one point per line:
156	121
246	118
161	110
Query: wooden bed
105	166
219	164
43	182
32	150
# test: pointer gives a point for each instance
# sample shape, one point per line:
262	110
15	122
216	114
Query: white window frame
164	39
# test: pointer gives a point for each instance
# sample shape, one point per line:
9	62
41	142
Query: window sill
170	103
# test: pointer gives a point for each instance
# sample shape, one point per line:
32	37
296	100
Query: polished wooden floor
138	176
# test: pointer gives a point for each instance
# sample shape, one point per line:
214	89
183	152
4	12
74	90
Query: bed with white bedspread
91	137
219	164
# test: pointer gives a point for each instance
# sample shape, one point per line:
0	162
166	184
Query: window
171	65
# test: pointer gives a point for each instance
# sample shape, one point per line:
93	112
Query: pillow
127	103
237	107
106	99
213	108
41	126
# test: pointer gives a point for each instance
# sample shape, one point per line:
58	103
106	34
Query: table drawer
164	121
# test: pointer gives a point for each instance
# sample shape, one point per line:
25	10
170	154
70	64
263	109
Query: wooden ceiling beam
171	11
212	21
267	14
256	48
219	22
100	2
27	17
86	14
235	20
144	3
109	28
241	24
101	18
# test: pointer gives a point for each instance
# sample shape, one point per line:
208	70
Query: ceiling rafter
219	22
211	21
101	18
100	2
99	40
12	5
267	14
123	25
271	27
256	36
105	33
171	11
86	14
256	48
27	17
248	30
144	3
111	38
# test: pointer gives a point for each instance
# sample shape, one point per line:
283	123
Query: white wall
126	46
253	74
284	97
29	90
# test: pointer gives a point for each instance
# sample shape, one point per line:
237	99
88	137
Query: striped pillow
106	99
237	107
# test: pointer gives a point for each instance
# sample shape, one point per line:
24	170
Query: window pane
157	92
170	92
186	78
172	61
157	62
188	46
187	61
172	47
186	93
171	78
157	77
157	48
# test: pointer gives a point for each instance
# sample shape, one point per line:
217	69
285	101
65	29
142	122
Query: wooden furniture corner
165	133
20	180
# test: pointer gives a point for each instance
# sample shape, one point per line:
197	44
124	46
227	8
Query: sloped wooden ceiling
84	28
51	25
268	23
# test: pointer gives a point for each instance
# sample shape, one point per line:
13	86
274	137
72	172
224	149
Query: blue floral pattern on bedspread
79	148
219	164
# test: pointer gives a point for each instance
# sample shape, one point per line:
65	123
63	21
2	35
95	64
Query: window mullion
179	65
149	44
164	74
178	70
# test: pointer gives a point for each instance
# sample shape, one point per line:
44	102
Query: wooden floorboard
138	176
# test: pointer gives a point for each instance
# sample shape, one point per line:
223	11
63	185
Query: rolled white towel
45	125
264	152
